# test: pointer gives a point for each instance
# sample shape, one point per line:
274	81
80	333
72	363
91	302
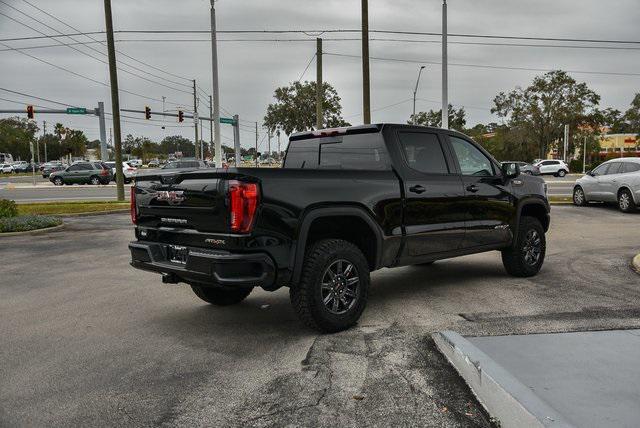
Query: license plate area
177	254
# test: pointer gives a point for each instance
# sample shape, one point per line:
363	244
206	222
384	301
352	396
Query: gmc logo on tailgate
172	197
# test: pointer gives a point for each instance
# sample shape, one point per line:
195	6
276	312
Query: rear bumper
205	267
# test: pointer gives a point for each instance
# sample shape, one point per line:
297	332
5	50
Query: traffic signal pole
195	119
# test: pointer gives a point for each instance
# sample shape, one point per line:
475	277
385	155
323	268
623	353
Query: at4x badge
172	197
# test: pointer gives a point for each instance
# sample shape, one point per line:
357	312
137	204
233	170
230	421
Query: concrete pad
586	379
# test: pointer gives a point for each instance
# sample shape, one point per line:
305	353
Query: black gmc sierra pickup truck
347	201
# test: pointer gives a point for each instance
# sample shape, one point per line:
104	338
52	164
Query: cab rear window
356	152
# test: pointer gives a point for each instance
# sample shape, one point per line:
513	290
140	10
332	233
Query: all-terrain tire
221	297
306	296
517	259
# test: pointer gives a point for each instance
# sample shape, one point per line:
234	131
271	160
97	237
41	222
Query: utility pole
445	77
210	125
38	149
269	147
319	85
115	101
566	143
366	95
584	154
195	118
44	134
214	87
256	144
201	141
415	91
278	145
103	132
236	138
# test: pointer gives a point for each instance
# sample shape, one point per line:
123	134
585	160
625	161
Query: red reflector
243	199
134	210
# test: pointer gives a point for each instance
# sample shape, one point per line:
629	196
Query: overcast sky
250	71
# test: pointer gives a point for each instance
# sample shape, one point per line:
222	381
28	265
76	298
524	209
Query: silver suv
617	180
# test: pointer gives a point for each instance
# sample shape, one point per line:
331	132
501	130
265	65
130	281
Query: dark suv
346	202
82	173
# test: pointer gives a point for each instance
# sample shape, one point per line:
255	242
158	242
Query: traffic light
30	112
147	112
180	116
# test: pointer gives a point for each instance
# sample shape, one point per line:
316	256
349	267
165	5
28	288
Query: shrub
26	223
8	208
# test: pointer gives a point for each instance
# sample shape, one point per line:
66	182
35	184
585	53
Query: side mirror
590	173
510	170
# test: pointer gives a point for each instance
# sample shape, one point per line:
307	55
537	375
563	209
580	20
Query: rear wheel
333	288
220	296
562	173
578	197
526	257
94	180
625	201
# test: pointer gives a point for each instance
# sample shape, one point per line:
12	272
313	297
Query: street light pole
413	117
216	93
366	88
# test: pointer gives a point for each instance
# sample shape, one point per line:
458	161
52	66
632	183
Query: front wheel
58	181
333	288
220	296
578	197
625	201
95	180
525	258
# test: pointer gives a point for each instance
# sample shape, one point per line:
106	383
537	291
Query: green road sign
227	120
76	110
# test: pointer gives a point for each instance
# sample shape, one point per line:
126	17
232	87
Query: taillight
134	211
104	172
243	199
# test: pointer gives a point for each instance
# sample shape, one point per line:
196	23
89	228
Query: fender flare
523	203
299	246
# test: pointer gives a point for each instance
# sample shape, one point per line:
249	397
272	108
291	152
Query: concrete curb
32	232
635	263
506	399
92	213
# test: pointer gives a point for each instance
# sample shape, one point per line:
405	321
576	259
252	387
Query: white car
6	168
129	171
617	180
553	166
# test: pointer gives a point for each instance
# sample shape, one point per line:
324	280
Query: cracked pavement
87	340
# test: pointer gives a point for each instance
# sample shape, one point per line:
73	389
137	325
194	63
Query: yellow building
614	143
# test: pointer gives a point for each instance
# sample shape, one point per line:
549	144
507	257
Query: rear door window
423	152
631	167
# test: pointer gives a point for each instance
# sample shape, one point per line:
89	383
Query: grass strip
59	208
25	223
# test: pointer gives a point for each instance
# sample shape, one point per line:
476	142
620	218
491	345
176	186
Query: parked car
128	171
555	167
153	164
21	166
347	201
185	164
617	180
526	168
51	167
6	168
83	173
136	163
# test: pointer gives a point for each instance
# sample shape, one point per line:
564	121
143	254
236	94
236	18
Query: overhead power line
90	47
104	44
494	67
35	97
315	33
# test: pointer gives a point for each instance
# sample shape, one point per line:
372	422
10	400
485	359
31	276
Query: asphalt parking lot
87	340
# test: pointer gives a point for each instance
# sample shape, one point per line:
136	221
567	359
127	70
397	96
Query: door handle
417	189
472	188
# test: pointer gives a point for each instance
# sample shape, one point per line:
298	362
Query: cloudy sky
251	70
